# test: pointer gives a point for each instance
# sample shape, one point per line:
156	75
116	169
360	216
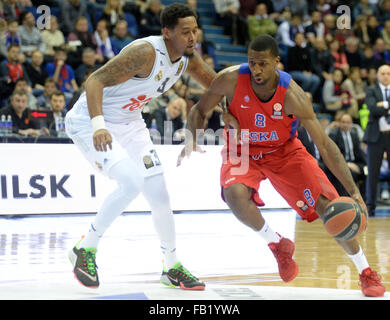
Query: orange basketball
344	218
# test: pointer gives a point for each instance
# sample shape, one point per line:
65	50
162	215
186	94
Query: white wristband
98	123
386	104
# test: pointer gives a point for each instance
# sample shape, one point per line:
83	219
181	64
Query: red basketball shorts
292	171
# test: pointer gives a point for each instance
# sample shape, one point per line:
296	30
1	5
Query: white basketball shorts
130	140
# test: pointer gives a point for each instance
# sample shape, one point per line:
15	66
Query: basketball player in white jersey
107	126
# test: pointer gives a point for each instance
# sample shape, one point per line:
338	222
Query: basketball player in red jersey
266	105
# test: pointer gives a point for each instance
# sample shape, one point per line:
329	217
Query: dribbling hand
101	139
231	121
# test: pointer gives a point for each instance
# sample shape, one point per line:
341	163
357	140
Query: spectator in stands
352	52
88	63
135	7
3	35
22	85
339	57
57	105
376	134
321	58
260	23
29	35
150	20
71	10
315	28
347	139
366	29
323	7
19	113
279	5
104	41
169	120
36	71
369	60
385	33
62	73
248	7
354	85
369	77
10	71
82	38
336	99
12	10
330	27
236	26
373	29
112	13
43	99
9	37
287	30
52	37
121	37
299	7
384	12
380	52
300	67
364	8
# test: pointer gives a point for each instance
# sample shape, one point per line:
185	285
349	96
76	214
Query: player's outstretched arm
134	60
221	86
200	70
297	103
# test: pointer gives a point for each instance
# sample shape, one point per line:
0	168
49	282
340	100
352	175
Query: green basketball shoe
178	276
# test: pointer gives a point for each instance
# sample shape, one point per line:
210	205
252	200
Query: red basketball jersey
263	124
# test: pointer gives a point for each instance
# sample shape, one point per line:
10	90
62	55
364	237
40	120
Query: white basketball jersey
123	103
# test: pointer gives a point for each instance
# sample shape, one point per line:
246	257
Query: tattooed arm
297	103
135	60
200	70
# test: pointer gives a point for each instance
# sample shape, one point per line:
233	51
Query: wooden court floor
324	264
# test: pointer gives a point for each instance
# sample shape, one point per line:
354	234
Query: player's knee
129	179
236	195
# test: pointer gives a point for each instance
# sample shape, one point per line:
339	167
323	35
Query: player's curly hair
263	43
171	14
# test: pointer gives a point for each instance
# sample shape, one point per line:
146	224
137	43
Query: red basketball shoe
371	284
283	252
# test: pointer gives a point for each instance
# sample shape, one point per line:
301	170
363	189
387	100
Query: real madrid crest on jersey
158	76
181	65
277	111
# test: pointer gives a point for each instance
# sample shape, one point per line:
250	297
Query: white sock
170	258
92	238
268	234
360	260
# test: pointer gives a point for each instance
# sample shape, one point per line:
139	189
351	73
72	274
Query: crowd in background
45	68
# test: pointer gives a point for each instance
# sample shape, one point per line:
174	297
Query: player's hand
358	197
101	139
231	121
186	152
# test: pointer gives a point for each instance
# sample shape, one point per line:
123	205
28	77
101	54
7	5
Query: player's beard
188	54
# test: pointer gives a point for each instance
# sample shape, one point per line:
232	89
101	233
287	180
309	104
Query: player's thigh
301	182
82	136
135	139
